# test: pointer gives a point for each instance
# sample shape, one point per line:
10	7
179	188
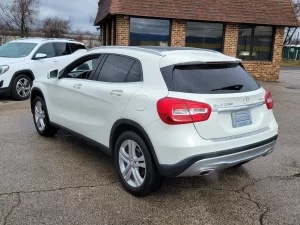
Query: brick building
250	30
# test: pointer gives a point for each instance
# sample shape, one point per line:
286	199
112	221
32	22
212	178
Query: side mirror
52	74
40	56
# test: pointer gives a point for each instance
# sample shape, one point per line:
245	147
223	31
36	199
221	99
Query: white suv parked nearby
161	112
23	60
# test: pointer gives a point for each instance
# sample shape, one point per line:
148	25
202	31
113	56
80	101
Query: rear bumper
205	163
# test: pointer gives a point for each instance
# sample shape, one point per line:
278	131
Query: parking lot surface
63	180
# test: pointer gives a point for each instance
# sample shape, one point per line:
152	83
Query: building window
255	42
204	35
150	32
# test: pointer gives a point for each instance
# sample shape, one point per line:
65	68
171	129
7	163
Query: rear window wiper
236	87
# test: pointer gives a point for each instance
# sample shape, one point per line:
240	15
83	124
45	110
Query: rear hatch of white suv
221	99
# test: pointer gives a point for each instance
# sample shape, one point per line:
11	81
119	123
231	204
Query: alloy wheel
23	87
132	163
39	115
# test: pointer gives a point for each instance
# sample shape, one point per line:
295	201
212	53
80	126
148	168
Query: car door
42	66
65	92
106	96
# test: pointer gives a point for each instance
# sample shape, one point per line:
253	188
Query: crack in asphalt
12	209
58	189
264	209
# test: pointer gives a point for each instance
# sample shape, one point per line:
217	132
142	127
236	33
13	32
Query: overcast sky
80	11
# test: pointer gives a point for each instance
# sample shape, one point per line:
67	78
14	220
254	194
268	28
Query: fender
21	72
139	128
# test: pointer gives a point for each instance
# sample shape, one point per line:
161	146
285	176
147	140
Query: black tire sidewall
14	93
47	121
151	172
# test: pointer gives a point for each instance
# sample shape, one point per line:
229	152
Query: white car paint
38	68
92	109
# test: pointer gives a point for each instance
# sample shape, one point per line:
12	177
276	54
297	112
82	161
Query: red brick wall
122	32
231	39
178	29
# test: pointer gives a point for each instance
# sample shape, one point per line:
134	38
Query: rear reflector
175	111
269	100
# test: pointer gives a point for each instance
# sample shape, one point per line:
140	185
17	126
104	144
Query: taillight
179	111
269	100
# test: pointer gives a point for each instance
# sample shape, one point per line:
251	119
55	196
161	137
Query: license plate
241	119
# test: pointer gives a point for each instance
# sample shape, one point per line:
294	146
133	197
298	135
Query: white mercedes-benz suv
23	60
159	111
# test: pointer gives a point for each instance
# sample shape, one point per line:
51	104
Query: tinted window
209	79
151	32
47	49
115	69
135	74
255	42
62	48
16	50
204	35
76	47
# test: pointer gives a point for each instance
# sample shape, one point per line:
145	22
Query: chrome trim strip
240	135
236	108
226	161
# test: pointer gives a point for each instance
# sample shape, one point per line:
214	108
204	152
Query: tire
142	175
21	87
41	118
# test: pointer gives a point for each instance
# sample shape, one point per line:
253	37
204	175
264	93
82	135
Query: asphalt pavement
63	180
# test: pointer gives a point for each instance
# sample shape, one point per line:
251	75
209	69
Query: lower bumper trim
193	166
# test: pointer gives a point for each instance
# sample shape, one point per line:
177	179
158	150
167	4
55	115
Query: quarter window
63	49
204	35
149	32
135	74
255	42
47	49
115	69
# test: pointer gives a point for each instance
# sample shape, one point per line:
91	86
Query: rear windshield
208	79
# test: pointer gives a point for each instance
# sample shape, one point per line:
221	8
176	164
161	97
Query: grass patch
291	63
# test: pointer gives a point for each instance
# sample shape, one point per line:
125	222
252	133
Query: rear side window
135	74
115	69
209	79
62	48
47	49
76	47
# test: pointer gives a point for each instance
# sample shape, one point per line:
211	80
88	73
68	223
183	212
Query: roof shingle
271	12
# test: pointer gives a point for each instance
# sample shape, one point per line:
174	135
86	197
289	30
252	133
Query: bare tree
55	27
19	15
290	32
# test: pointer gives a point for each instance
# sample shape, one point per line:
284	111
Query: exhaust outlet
206	172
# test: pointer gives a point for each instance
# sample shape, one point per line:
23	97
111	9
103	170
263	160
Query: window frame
153	18
223	32
253	26
105	56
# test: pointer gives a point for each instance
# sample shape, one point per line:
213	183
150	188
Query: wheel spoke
141	165
128	174
131	149
140	159
42	123
124	156
136	176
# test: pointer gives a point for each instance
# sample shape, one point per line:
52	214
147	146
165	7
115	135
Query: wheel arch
29	73
34	93
123	125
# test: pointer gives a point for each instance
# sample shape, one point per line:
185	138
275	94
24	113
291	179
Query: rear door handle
77	86
55	60
116	92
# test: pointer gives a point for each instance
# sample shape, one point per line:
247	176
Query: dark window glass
150	32
204	35
135	74
115	69
47	49
255	42
63	49
16	50
76	47
209	79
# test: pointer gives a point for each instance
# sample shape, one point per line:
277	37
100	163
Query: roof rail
130	48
